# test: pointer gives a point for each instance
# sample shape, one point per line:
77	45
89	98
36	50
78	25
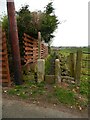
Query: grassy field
68	50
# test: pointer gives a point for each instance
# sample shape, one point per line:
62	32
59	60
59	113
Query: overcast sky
74	16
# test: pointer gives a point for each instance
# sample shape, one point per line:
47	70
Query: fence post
78	66
57	71
39	45
71	64
40	69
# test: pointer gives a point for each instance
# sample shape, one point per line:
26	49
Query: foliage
49	64
5	28
5	23
31	22
49	23
49	8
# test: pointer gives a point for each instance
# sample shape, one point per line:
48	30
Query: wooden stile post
71	64
78	66
39	45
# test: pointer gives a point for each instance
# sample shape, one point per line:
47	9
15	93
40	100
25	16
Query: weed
12	91
65	96
84	87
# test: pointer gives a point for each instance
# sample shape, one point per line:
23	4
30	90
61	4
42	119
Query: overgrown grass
84	85
34	90
47	65
65	96
29	89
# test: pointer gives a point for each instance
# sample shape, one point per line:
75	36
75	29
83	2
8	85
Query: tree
31	22
49	8
49	23
5	28
4	21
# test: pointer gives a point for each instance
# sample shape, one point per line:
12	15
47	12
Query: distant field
66	51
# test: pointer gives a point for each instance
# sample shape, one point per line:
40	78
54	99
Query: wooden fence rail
4	71
31	49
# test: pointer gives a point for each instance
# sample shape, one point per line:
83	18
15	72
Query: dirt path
15	108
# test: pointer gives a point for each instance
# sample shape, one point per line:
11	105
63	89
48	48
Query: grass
20	91
66	95
29	89
40	90
84	85
47	64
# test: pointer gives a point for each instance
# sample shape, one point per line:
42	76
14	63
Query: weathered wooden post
78	67
40	70
71	64
40	62
14	42
57	71
39	45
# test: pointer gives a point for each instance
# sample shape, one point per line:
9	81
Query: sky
73	14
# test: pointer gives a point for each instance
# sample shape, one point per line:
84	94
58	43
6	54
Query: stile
78	66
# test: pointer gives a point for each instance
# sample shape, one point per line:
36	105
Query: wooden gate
4	66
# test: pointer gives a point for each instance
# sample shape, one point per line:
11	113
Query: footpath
13	108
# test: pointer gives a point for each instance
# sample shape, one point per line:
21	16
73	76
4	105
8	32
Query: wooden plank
28	61
35	49
3	80
2	59
4	70
28	40
27	45
2	64
4	47
4	75
28	53
28	57
29	37
3	53
27	49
